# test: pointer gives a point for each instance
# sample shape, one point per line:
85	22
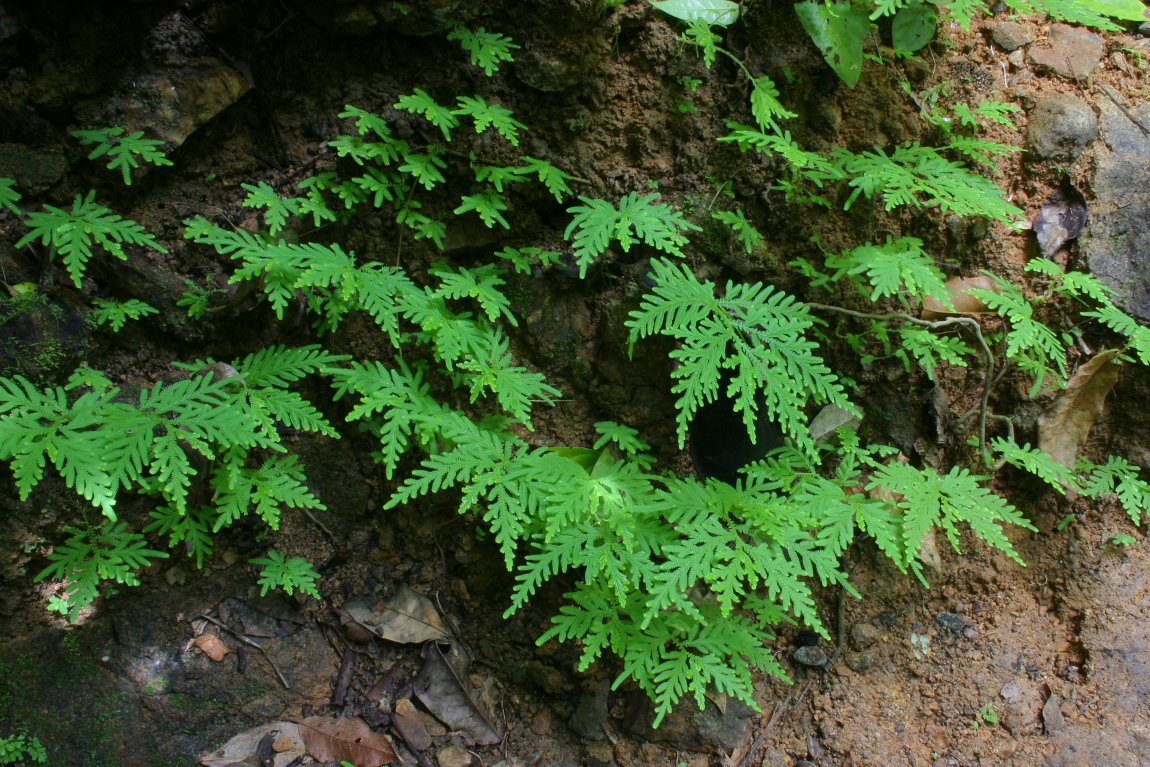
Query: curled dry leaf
444	687
332	739
1066	423
211	646
408	618
964	303
1061	219
244	749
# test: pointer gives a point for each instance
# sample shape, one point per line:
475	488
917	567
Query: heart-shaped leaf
913	28
715	13
838	30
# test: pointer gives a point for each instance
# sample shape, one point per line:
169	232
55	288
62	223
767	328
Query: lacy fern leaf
754	331
73	234
637	218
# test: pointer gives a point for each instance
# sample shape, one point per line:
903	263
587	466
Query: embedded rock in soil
34	170
687	728
1117	238
40	339
863	635
1010	35
590	718
1070	52
1060	127
184	87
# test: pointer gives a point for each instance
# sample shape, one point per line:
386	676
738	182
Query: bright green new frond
280	366
488	50
487	115
637	218
1137	336
515	388
366	122
73	234
124	151
419	103
500	177
929	349
481	284
964	11
88	557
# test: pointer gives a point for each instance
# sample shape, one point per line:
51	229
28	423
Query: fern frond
487	115
9	196
637	218
419	103
73	234
488	50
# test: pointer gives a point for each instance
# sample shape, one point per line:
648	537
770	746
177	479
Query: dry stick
966	322
250	643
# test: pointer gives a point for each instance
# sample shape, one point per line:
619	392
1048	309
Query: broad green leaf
837	29
913	28
717	13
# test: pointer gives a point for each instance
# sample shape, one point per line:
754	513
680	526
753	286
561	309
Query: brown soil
994	664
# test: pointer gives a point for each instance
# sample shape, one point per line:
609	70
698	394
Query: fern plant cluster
683	579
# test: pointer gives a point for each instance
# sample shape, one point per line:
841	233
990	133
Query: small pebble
863	635
861	661
811	656
952	622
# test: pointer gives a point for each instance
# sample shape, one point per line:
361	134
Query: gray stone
689	728
1070	52
1060	127
35	171
1116	240
1010	35
590	718
863	635
861	661
811	656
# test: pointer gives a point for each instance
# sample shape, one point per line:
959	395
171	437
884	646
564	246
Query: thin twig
250	643
966	322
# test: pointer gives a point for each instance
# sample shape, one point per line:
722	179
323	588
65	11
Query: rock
689	728
1010	35
1060	127
952	622
590	718
861	661
1069	52
453	756
863	635
34	170
811	656
1117	236
40	339
1011	693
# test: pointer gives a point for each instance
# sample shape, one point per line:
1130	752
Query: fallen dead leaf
1061	219
211	646
332	739
244	748
409	618
1066	423
444	688
963	302
407	722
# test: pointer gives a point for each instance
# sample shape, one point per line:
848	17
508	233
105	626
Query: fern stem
966	322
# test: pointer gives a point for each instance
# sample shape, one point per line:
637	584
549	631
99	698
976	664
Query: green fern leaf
9	196
73	234
125	151
488	50
487	115
419	103
488	205
597	222
549	176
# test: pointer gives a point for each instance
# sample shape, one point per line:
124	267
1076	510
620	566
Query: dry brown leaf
243	748
331	739
964	303
443	686
1066	423
408	618
408	723
211	646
